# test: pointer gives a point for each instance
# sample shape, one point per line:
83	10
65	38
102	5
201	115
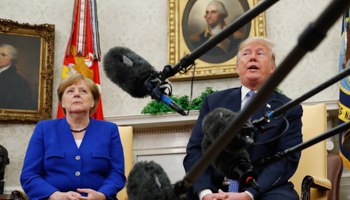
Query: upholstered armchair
126	136
310	179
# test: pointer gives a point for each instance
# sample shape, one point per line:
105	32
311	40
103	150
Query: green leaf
155	107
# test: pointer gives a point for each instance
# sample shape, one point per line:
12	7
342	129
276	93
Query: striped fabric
233	187
83	49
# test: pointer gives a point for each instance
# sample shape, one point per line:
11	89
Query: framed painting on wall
26	71
192	22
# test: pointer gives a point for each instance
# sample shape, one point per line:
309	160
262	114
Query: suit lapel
268	106
234	100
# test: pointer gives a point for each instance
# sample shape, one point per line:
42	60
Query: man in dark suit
14	89
255	63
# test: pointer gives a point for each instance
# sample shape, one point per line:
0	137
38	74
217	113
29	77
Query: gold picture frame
30	75
185	18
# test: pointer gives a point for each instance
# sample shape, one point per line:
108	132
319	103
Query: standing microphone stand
307	41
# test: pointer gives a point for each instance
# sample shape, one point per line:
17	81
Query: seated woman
75	156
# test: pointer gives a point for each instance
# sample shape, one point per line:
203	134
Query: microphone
136	76
148	181
233	162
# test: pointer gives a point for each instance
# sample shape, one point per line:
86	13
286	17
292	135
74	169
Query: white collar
4	68
244	92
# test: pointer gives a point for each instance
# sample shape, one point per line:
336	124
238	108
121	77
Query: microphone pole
307	41
264	162
309	94
189	59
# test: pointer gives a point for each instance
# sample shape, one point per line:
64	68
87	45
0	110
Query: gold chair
126	136
312	169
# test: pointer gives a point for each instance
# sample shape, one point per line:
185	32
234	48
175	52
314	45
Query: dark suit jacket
15	91
231	99
53	161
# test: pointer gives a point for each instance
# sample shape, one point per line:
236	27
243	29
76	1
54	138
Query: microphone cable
272	126
278	136
184	71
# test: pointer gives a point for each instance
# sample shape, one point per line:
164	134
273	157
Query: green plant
155	107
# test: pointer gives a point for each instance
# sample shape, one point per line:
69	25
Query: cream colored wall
142	26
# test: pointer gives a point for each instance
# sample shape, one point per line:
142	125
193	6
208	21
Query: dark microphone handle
245	175
157	92
177	108
254	185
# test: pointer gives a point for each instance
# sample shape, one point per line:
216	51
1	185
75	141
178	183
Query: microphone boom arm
264	162
309	94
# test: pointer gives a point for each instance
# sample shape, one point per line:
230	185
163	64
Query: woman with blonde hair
76	157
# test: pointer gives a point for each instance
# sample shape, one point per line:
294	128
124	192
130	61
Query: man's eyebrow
247	49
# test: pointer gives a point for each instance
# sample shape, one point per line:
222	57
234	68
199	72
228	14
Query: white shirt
4	68
244	98
78	142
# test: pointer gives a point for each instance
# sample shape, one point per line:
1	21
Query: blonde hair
75	78
261	40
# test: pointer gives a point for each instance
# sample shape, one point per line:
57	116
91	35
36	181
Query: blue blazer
53	161
231	99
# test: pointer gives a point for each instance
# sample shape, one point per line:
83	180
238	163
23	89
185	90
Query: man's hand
235	195
91	194
215	196
65	196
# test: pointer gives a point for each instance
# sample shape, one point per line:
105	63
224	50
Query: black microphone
136	76
148	181
233	162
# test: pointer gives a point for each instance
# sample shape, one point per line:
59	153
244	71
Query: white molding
151	121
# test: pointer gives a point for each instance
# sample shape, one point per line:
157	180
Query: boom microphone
233	162
148	181
136	76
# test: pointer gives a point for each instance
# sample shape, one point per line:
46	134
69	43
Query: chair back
313	160
126	137
334	172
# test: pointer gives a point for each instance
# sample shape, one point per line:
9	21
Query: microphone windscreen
128	70
213	125
148	181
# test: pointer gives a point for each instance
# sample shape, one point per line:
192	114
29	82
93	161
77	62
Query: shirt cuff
250	194
204	192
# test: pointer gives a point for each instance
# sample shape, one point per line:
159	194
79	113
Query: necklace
78	131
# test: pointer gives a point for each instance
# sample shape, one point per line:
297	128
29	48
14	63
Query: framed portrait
26	71
192	22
